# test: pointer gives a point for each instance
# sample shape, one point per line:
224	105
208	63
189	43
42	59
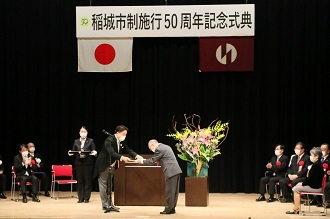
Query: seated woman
313	181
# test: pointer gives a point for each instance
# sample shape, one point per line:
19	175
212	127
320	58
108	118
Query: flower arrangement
199	145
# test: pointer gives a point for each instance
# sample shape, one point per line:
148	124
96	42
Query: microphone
107	133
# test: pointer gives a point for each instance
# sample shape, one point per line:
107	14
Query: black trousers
32	179
85	180
172	191
3	179
44	180
272	180
286	190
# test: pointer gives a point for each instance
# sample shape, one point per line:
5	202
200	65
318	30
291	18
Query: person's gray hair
316	151
152	142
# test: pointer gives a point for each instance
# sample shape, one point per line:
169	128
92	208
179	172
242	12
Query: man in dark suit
107	162
276	170
24	173
164	154
3	179
37	167
325	162
296	172
84	164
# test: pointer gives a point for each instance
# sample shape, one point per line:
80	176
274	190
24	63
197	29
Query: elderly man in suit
24	172
107	162
3	179
276	170
296	173
164	154
37	166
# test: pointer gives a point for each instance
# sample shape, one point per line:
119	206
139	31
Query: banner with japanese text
165	21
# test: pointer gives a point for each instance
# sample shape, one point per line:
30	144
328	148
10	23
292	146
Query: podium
139	185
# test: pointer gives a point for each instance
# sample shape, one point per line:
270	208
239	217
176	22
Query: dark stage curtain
45	100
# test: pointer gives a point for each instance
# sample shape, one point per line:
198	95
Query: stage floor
221	205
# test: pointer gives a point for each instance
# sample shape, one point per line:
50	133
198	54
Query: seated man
37	166
276	170
2	180
296	172
325	161
24	173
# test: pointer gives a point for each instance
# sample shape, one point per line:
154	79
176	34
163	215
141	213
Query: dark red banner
218	54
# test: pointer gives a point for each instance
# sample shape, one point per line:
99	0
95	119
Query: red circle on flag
105	54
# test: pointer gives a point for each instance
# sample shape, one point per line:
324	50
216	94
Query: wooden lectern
137	184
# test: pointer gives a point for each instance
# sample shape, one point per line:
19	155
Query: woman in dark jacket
84	164
313	181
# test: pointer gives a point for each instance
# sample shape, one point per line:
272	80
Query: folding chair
15	183
315	193
61	174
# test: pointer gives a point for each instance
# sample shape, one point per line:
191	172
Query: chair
14	183
61	174
307	201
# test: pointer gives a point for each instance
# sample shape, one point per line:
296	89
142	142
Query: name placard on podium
137	184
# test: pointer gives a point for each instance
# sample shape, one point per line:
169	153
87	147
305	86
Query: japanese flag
105	55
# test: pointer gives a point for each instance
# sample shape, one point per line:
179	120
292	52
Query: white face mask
83	134
312	159
277	152
32	149
297	151
25	153
122	138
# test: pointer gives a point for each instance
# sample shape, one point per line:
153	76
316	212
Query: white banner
165	21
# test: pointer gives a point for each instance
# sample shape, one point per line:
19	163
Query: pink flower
190	140
194	150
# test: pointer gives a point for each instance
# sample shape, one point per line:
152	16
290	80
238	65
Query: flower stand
197	191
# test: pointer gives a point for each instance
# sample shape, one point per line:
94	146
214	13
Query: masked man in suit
3	180
107	162
24	173
296	173
165	155
276	170
37	167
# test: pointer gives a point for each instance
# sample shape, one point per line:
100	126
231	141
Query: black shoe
271	199
287	200
24	199
164	212
327	205
47	194
293	212
86	201
35	199
104	208
111	208
311	203
80	201
3	196
261	198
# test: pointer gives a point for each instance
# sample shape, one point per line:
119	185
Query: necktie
322	160
298	160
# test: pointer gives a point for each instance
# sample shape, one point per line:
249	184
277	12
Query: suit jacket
35	167
20	169
294	166
165	155
110	153
315	176
279	168
1	166
88	146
